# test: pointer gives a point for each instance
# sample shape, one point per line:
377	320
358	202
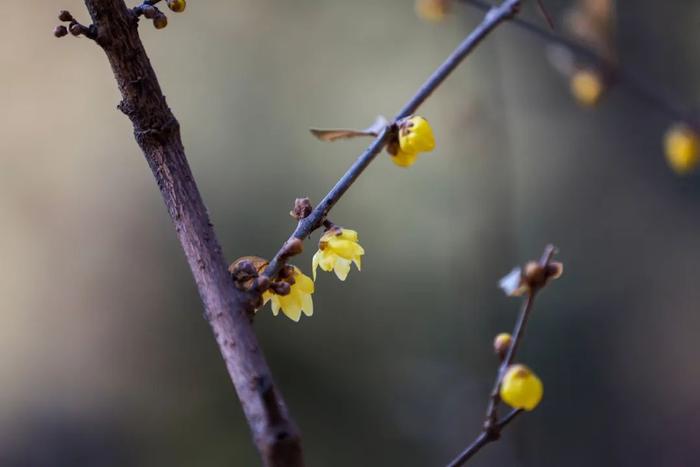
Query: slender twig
642	87
484	438
494	17
491	430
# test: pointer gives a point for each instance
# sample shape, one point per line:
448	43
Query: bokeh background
105	359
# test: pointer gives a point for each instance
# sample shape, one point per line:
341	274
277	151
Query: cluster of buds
530	278
74	27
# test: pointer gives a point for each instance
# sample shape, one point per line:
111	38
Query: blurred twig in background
528	281
616	73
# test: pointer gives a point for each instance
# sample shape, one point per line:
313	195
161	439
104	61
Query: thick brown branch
157	133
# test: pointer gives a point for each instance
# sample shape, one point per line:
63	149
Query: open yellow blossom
298	299
682	148
521	388
431	10
337	249
415	136
587	87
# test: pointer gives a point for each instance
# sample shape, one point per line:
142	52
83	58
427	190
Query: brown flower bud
160	21
302	208
534	275
64	15
149	11
286	272
60	31
501	344
554	270
75	29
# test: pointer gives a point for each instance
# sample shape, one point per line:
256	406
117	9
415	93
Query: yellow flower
431	10
178	6
521	388
682	148
415	136
587	87
298	299
337	248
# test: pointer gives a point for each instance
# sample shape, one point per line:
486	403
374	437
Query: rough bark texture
226	308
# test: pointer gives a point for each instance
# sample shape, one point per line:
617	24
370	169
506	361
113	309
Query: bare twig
641	86
492	427
494	17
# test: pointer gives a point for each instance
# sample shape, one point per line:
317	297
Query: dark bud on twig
245	272
149	11
302	208
286	272
534	275
60	31
160	21
262	283
65	16
75	29
281	287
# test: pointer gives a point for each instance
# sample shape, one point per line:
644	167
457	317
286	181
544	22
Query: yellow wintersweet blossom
682	148
298	299
337	249
431	10
415	136
587	87
521	388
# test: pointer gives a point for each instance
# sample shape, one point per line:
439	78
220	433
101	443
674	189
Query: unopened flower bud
501	344
75	29
280	288
60	31
521	388
149	11
302	208
160	21
64	15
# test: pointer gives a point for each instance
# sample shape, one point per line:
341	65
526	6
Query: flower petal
342	268
307	304
303	284
275	305
314	262
345	248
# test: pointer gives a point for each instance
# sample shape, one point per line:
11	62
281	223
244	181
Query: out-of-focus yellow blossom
298	299
178	6
415	136
521	388
337	249
682	148
587	87
431	10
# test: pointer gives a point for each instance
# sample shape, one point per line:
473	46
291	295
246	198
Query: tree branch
306	226
492	427
226	308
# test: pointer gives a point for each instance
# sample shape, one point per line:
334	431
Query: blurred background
105	359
